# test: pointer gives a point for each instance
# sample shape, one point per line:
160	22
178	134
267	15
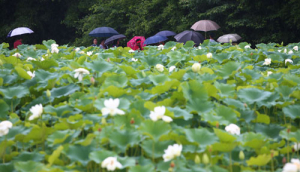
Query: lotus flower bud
197	159
217	124
144	74
210	148
205	159
132	121
99	129
103	121
93	80
196	67
48	93
283	160
159	67
241	155
172	164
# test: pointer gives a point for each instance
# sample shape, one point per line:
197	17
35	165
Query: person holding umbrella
94	43
138	45
102	45
17	43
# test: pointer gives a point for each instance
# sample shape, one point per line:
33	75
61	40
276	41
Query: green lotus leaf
145	168
284	91
28	166
101	155
127	161
22	73
293	136
99	66
292	79
78	153
61	110
201	136
14	92
46	64
271	130
154	129
194	89
4	108
224	136
116	80
260	160
63	91
128	70
225	90
124	138
224	147
175	56
29	156
222	57
55	155
254	140
228	69
178	113
292	111
38	134
151	60
17	133
252	95
159	89
234	103
262	118
226	113
87	141
7	167
155	148
49	43
159	79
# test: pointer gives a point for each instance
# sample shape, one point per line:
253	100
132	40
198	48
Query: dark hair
211	35
137	40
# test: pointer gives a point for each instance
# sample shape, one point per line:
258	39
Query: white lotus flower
209	55
54	45
233	129
111	164
172	68
30	58
297	146
77	49
54	48
160	47
296	162
284	51
159	113
267	61
173	48
80	72
131	51
36	111
196	67
160	67
42	59
111	107
295	48
279	50
4	127
290	167
247	46
17	55
134	59
269	73
288	61
199	47
31	74
89	53
290	52
172	152
81	52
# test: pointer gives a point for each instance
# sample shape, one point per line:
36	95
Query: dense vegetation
214	108
71	21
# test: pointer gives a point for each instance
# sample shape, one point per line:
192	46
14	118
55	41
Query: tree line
70	21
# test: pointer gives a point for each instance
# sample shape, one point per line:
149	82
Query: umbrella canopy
189	35
103	32
155	39
166	33
226	38
19	31
205	25
111	39
132	42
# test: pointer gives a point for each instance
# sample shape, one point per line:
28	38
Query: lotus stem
272	165
230	162
153	148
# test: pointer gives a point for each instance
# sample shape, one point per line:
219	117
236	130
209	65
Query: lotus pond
212	108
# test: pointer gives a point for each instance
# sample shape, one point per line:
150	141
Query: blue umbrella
166	33
155	39
19	31
103	32
110	40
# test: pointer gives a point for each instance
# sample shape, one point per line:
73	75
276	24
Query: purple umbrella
166	33
19	31
110	40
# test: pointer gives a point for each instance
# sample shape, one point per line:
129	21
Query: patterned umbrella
132	42
19	31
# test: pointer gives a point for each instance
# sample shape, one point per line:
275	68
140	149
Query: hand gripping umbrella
19	31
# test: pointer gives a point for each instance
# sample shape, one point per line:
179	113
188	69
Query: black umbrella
111	39
189	35
166	33
103	32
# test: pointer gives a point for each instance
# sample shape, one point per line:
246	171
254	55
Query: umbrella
205	25
226	38
166	33
103	32
19	31
155	39
111	39
189	35
132	42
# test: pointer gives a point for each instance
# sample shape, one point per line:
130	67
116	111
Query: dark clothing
94	45
17	43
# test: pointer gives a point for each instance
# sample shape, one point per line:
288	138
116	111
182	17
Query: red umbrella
132	43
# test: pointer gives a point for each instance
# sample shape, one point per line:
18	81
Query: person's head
138	42
102	41
95	41
118	41
211	36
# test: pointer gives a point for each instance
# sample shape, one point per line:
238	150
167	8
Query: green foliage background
70	21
